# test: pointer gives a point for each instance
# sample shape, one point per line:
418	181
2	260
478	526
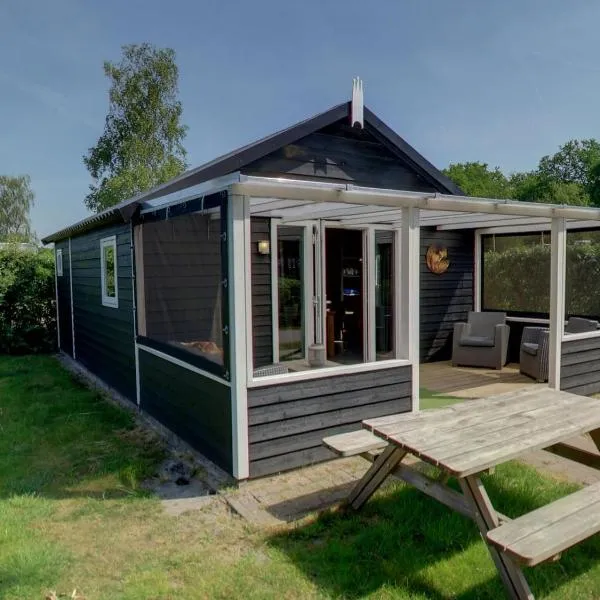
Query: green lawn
72	517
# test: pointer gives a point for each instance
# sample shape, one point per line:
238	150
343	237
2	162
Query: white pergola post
410	294
558	258
238	238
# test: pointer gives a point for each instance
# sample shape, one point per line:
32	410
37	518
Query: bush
518	279
27	301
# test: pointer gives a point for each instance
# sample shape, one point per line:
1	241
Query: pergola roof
292	201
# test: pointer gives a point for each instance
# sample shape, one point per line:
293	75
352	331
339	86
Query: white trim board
238	247
134	311
587	335
274	290
534	320
57	308
326	372
182	364
558	256
72	305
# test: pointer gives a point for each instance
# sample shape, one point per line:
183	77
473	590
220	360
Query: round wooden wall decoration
437	259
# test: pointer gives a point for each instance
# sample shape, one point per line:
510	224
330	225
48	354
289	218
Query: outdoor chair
533	356
482	341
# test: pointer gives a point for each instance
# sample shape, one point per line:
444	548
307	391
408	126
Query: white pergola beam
571	225
273	205
558	259
329	210
347	194
510	224
445	218
368	215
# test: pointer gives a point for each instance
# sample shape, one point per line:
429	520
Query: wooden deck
467	382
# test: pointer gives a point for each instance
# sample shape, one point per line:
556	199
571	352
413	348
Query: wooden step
354	442
547	531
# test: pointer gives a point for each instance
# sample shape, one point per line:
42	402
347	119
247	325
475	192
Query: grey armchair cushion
530	348
579	325
482	324
476	340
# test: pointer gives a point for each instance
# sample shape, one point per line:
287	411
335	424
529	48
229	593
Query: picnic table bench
467	439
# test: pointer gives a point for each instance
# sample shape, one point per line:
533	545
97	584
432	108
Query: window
59	263
184	286
516	273
108	271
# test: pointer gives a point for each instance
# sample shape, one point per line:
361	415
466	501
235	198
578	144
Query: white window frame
59	262
370	362
109	242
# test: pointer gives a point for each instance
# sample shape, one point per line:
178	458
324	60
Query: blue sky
501	82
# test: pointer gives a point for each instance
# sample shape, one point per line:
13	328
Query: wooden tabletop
472	436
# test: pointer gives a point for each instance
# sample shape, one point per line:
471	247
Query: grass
72	516
429	399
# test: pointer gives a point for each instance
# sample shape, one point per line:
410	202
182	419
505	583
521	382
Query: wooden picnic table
467	439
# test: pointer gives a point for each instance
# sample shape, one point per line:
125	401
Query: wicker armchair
482	341
535	343
533	356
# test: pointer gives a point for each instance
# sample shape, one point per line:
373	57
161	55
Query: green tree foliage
16	200
142	143
477	179
573	163
536	187
27	303
570	176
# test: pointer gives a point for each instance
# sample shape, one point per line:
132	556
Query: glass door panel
384	295
290	244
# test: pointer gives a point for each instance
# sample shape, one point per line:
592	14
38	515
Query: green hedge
27	301
519	279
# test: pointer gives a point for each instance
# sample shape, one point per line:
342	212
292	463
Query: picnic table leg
595	435
383	465
486	519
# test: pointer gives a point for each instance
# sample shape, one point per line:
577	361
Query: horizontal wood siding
445	299
287	422
580	366
262	309
196	408
343	154
182	279
104	335
63	289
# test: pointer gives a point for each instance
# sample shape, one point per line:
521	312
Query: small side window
59	263
108	271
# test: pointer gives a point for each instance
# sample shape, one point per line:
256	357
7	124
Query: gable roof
238	159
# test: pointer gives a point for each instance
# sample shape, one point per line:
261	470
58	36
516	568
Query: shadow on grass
406	545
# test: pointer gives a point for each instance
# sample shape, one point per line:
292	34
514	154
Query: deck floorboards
468	382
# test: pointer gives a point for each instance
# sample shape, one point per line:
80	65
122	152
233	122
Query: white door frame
308	305
314	300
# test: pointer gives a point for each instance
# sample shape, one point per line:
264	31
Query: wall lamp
264	247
